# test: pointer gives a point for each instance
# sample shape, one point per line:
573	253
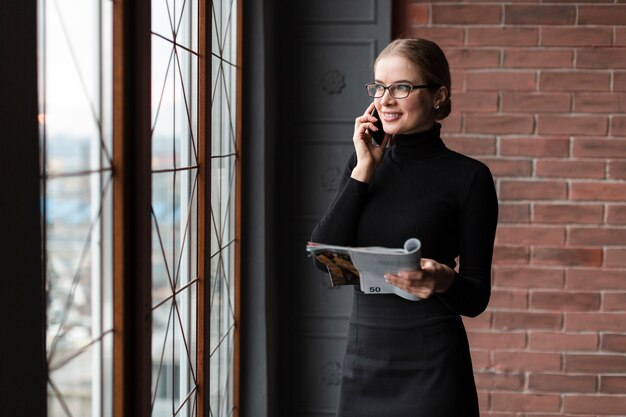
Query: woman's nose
386	98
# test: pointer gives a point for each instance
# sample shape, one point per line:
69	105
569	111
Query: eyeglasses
399	90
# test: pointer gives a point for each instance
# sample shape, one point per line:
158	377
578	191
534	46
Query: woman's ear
441	96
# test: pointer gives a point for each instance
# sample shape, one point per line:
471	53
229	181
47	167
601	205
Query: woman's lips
390	117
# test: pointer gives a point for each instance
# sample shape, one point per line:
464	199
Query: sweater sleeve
339	224
470	291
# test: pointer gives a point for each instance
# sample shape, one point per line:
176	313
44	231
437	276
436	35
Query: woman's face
412	114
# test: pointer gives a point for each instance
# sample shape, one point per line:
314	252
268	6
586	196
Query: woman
411	358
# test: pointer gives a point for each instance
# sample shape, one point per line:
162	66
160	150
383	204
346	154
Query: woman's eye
403	87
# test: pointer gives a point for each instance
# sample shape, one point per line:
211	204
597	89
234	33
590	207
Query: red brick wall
539	94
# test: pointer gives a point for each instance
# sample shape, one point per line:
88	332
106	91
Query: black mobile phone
379	134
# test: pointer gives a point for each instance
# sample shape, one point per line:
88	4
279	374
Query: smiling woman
412	357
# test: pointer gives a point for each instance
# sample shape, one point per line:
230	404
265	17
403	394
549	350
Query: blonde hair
431	63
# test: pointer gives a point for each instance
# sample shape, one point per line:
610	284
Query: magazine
367	266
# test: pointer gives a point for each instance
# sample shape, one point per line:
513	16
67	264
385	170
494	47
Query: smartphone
379	134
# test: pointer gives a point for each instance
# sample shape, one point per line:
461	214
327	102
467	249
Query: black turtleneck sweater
423	189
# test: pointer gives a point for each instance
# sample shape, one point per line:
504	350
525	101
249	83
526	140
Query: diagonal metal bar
227	28
156	384
76	279
158	109
175	44
187	111
169	15
79	352
158	230
180	19
186	400
229	105
185	344
59	397
225	398
216	25
84	173
178	291
184	237
224	336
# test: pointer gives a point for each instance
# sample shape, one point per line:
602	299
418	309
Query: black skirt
406	359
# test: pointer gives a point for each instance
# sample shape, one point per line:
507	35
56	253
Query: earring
437	107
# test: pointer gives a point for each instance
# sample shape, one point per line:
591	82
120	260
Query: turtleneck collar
419	145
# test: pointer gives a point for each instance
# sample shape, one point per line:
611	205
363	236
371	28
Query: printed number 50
374	289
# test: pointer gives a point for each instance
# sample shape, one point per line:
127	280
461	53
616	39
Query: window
194	202
75	131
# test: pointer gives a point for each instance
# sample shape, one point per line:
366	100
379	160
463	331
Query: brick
483	400
499	381
574	81
601	58
529	277
473	58
417	13
619	81
525	402
501	298
563	341
618	125
502	81
510	255
596	236
507	320
569	169
471	145
538	58
616	214
443	36
614	301
596	322
492	340
601	15
526	361
535	103
576	36
598	191
499	124
567	256
595	279
599	148
614	257
533	190
612	384
476	102
500	167
568	213
562	383
458	80
480	359
466	14
539	15
506	36
564	301
620	36
541	147
600	103
452	123
617	169
530	235
572	125
595	363
513	213
614	342
599	404
483	321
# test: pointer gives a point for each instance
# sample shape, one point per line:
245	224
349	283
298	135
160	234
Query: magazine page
367	266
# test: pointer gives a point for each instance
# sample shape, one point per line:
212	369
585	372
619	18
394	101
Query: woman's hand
432	278
368	154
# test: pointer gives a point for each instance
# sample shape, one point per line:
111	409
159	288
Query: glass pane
223	203
174	205
75	112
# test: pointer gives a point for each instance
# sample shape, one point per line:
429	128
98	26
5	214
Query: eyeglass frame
387	88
